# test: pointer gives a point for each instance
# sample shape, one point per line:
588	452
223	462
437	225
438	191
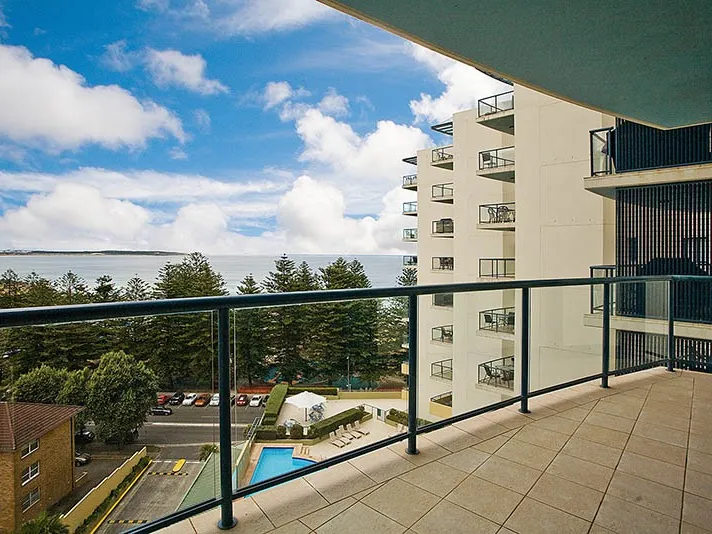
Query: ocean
382	270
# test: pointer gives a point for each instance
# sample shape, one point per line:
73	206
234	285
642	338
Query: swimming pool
276	461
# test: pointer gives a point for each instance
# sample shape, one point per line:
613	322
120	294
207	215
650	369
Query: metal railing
410	261
600	150
410	234
444	398
498	320
495	103
410	179
496	157
442	191
443	153
498	373
442	369
443	334
221	306
601	271
410	207
497	268
504	212
443	226
443	300
443	263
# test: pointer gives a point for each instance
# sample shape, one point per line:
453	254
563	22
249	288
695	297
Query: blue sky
233	126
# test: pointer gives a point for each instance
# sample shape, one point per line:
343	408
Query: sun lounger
363	431
342	435
336	441
354	431
348	434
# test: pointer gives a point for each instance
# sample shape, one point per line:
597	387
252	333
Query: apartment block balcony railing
442	334
410	181
410	208
502	213
443	193
443	300
443	228
497	163
497	112
443	157
498	320
497	268
670	350
497	373
441	369
443	263
410	234
596	292
410	261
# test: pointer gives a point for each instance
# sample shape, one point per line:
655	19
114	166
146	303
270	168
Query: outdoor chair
490	374
489	322
504	214
349	434
493	218
354	431
343	435
363	431
336	441
507	376
486	160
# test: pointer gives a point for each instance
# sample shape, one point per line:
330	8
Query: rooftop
636	457
21	422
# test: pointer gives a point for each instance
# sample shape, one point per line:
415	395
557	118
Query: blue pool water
276	461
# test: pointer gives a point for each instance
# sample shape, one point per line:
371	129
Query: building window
31	447
30	472
30	499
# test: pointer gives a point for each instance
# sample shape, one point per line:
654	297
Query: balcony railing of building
443	263
672	352
496	158
410	261
600	150
412	160
498	320
497	373
443	227
495	103
410	234
410	208
601	271
497	268
442	154
442	369
443	128
410	181
443	334
443	193
443	300
504	212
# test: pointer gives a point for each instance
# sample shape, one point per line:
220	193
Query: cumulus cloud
276	93
50	106
334	104
118	57
173	68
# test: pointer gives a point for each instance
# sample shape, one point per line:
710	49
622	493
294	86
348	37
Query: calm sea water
381	270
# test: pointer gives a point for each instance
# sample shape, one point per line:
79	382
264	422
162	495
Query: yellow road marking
179	465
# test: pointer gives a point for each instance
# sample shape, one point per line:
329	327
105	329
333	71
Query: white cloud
245	17
118	58
173	68
334	104
50	106
276	93
177	153
202	119
3	19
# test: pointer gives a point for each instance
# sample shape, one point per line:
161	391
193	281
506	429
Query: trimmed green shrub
266	433
296	432
330	424
274	404
281	432
318	390
400	417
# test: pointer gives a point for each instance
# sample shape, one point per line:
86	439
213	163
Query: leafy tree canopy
42	385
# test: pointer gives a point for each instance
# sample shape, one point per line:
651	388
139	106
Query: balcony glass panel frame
500	320
496	158
442	154
410	234
497	268
410	208
443	263
442	369
410	180
443	226
500	213
495	104
497	373
596	291
410	261
442	191
600	151
442	334
443	300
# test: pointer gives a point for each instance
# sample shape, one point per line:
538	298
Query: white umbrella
305	399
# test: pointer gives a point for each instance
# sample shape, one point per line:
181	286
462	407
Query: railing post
524	340
412	374
606	347
671	325
227	520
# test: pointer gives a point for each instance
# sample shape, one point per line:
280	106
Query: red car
162	399
242	400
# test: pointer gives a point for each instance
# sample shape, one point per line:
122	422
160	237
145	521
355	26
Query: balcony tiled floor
636	458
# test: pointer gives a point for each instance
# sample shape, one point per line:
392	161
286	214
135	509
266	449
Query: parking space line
167	474
126	521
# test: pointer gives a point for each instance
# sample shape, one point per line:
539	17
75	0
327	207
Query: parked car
190	399
84	436
203	399
161	410
130	437
81	458
215	401
264	400
162	400
177	399
256	401
242	400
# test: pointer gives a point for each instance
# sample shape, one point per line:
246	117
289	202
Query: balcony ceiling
647	62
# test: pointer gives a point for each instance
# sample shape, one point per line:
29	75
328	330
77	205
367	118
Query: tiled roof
21	422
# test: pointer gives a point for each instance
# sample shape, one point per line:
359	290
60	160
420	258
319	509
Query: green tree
43	524
250	344
408	277
42	385
72	289
121	391
105	290
11	287
135	335
76	391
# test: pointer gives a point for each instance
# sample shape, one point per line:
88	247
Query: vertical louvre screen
638	348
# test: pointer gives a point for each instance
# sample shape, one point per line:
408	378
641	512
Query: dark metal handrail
442	369
496	372
495	103
442	191
498	320
596	291
443	334
442	153
497	267
443	263
409	261
443	226
410	207
504	212
410	234
410	179
496	157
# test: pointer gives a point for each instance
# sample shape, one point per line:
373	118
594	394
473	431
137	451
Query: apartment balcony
411	160
410	261
497	164
500	216
443	300
443	263
497	322
410	208
441	405
442	334
497	373
410	235
497	112
443	228
497	268
410	182
444	193
443	128
441	369
443	157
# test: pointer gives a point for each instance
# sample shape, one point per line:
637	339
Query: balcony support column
412	375
606	341
227	519
524	340
671	326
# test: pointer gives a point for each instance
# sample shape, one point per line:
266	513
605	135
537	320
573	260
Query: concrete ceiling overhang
648	61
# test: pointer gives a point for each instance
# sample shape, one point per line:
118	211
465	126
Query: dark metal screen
637	348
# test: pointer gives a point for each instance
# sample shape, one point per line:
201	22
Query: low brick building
36	459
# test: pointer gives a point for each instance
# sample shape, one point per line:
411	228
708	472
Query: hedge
330	424
274	404
400	417
266	432
318	390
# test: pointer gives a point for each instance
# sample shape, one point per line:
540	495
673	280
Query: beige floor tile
604	436
687	528
661	433
614	422
568	496
184	527
593	452
533	517
401	501
382	465
485	498
537	411
542	437
490	446
677	421
295	527
508	418
646	493
575	414
638	393
428	451
701	426
318	518
250	519
358	519
339	481
628	518
697	511
453	439
448	518
557	423
699	461
526	454
516	477
466	460
621	410
700	442
652	469
361	494
287	502
597	529
481	427
699	484
435	477
659	450
505	530
594	476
